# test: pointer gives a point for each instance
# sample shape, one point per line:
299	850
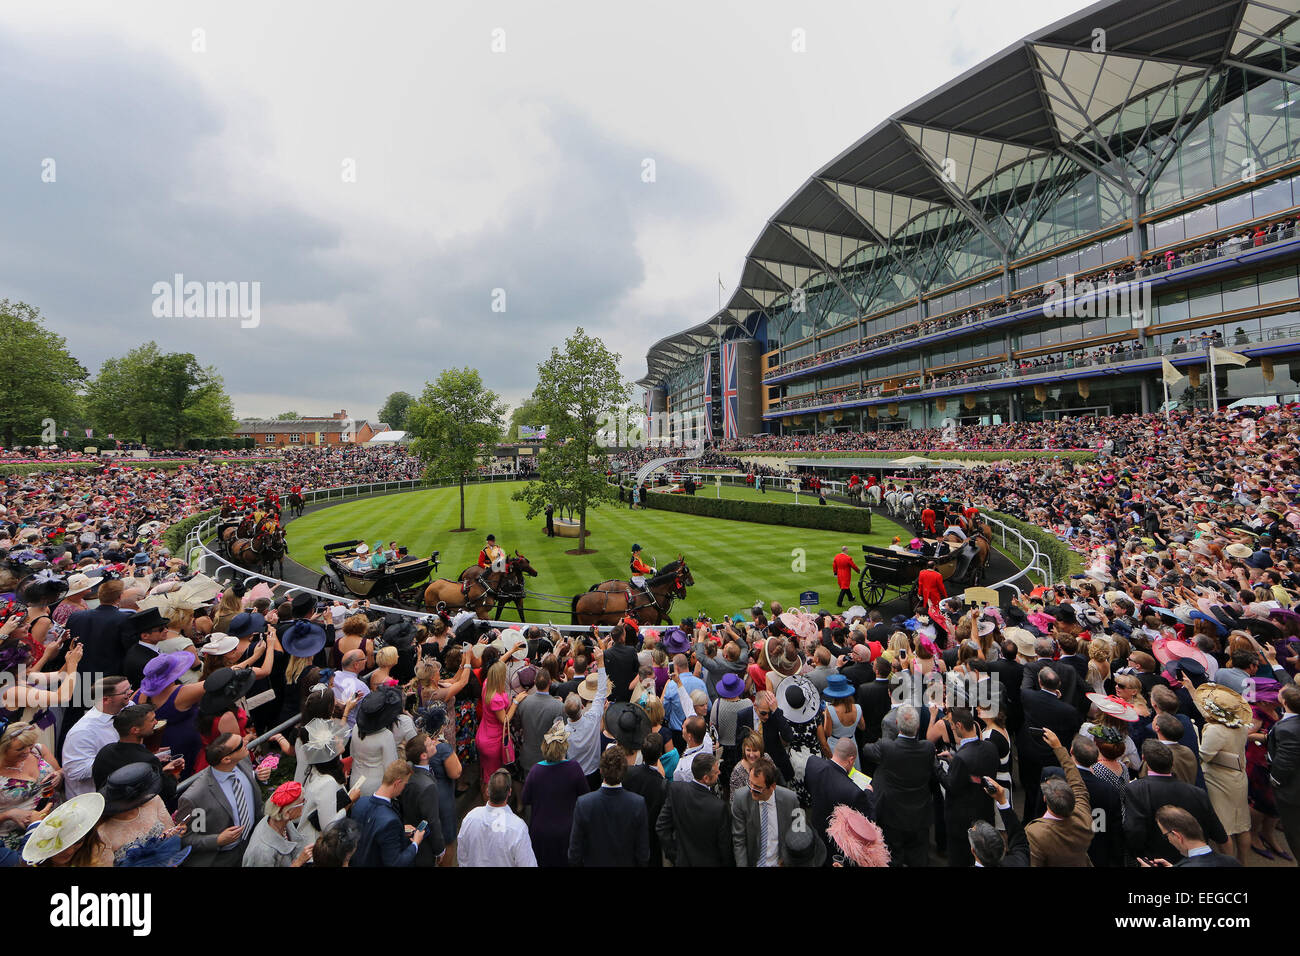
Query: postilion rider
639	569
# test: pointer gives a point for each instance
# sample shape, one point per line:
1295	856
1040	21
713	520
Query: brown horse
610	601
503	587
263	552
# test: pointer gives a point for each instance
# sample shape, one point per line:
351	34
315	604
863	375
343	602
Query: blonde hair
386	657
899	641
495	683
19	735
231	604
556	749
178	618
654	707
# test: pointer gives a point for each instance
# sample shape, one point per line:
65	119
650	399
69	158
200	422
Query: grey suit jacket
745	823
212	813
536	712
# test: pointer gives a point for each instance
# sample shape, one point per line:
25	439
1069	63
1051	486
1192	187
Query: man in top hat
148	627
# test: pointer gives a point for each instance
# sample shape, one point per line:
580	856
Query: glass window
1241	293
1234	210
1116	248
1173	307
1205	301
1118	323
1030	340
1090	257
1272	198
1094	328
1278	285
1167	232
1200	221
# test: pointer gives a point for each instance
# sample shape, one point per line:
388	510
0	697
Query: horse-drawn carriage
887	573
395	583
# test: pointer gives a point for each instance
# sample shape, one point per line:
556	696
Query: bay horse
610	601
263	552
296	504
504	586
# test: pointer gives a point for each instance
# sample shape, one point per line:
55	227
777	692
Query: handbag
509	758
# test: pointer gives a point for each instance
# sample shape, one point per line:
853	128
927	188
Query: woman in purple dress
176	703
552	788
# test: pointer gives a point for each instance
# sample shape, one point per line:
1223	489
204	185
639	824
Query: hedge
1065	560
856	520
174	537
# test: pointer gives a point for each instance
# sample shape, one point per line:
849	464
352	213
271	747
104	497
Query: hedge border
853	520
1065	560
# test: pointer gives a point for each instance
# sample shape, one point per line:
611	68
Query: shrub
856	520
1065	561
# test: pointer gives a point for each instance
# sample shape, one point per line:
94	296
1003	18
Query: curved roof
1060	92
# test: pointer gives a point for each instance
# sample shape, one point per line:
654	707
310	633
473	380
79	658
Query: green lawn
733	562
749	494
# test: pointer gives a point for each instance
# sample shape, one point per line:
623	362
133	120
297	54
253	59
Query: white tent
387	438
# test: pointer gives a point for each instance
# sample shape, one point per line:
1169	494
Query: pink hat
1166	649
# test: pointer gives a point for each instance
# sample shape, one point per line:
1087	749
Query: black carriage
890	574
400	582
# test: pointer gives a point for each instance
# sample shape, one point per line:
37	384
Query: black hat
628	724
129	787
491	537
224	686
803	848
245	624
378	709
303	604
141	622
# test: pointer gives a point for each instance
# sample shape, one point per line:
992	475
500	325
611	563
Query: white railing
705	480
1039	562
201	557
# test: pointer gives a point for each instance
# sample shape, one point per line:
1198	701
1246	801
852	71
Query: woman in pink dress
494	746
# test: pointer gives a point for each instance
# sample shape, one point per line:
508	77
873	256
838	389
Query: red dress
210	734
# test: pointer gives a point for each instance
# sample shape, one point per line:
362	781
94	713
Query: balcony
1067	368
1183	265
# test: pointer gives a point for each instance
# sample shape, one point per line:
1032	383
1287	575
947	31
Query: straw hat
1221	705
1238	550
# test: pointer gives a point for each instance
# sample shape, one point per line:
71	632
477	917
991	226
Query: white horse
875	491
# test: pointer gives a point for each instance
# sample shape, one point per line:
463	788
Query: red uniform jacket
843	565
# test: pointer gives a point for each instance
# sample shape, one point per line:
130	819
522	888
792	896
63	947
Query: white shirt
683	773
584	733
88	736
493	836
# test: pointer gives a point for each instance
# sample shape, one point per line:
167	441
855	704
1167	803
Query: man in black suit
621	663
829	785
1010	671
904	808
419	801
647	780
1067	677
609	824
858	671
1184	835
383	835
1284	769
874	699
1044	706
695	825
145	629
1144	796
965	799
99	631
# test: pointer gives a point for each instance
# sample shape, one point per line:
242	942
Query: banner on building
730	392
529	433
708	395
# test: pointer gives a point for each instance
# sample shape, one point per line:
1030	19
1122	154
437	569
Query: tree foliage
577	389
41	377
397	408
451	422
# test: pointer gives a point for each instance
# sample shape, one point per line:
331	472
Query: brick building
325	430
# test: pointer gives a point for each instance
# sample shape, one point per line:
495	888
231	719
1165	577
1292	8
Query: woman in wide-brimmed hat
133	810
1228	723
374	745
174	702
731	717
842	717
67	836
799	702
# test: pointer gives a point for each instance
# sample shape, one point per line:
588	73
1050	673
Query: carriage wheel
871	593
326	584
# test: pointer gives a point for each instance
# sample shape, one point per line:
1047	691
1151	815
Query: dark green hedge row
29	468
1065	561
856	520
174	537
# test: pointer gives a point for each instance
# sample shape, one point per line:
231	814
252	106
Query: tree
287	417
396	410
577	390
526	413
42	380
166	396
451	421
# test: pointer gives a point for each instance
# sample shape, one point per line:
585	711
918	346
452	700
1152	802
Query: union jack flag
708	395
730	392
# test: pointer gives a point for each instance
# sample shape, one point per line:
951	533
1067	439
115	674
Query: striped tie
764	829
241	805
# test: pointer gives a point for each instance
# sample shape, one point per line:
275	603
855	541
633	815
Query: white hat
220	644
64	827
362	548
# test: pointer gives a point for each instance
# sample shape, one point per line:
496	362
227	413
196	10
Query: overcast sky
380	170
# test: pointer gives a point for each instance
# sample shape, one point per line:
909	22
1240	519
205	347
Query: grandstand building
1035	239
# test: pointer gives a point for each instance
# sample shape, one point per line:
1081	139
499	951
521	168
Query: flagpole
1214	386
1165	384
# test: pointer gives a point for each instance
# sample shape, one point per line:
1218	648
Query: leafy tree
396	410
526	413
577	391
451	422
287	417
42	380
